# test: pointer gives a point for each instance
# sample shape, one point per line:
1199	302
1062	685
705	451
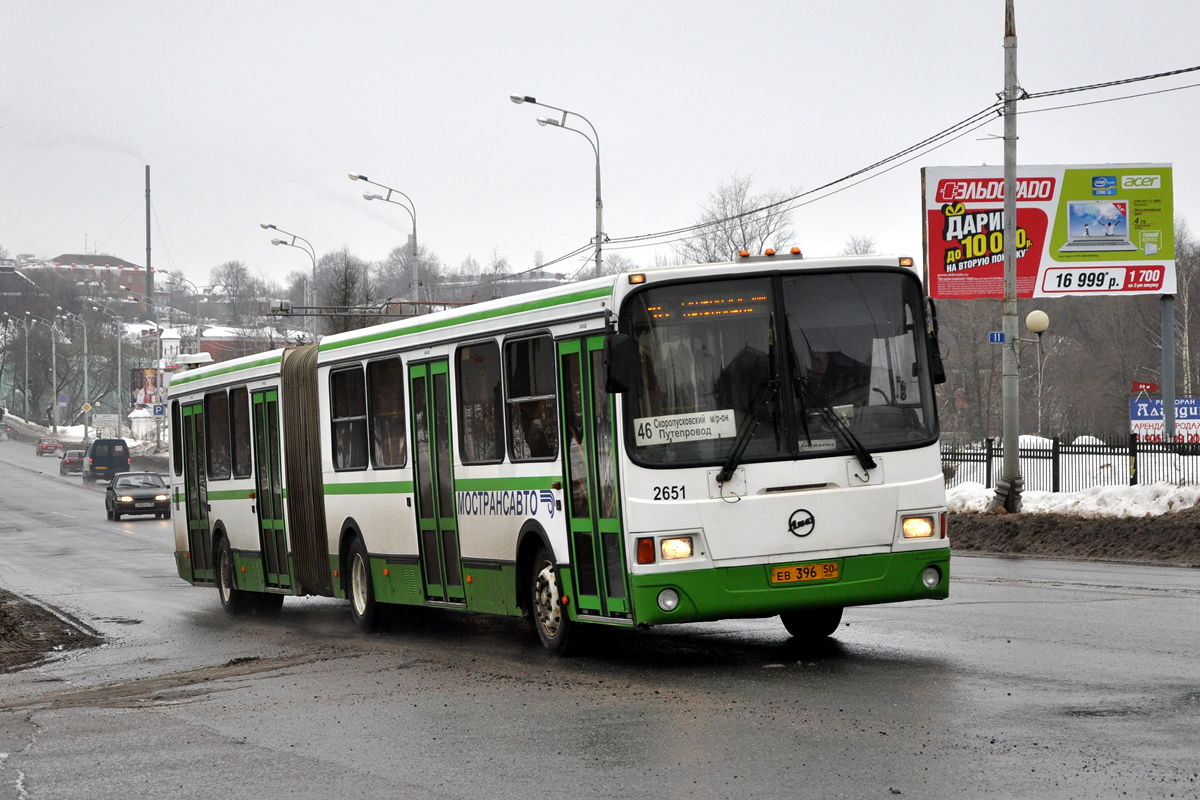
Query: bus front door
588	434
195	484
268	491
436	518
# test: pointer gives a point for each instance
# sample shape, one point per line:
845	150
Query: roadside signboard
1146	418
1105	229
106	423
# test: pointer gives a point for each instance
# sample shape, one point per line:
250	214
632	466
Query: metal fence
1053	465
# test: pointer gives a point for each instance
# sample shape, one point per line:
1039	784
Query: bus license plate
805	572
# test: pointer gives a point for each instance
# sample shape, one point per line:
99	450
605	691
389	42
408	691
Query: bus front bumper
733	592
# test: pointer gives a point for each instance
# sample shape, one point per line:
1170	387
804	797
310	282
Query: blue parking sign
160	409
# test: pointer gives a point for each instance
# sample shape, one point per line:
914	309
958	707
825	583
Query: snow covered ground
1151	500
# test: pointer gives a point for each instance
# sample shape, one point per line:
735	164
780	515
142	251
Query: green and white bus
687	443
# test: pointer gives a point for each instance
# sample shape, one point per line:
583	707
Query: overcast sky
255	112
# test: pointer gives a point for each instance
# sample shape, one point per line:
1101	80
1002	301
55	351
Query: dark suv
105	457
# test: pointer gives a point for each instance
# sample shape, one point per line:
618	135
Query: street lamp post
594	141
25	327
119	328
87	398
53	326
411	208
312	253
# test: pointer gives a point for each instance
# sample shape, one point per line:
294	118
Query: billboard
1146	419
1104	229
143	384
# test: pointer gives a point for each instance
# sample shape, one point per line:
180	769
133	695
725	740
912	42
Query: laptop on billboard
1097	225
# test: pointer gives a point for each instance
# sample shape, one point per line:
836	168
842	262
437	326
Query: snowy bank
1151	500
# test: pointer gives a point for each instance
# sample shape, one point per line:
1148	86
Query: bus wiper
749	425
838	424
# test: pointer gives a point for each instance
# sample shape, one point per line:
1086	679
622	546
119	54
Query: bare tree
1187	268
241	290
343	280
734	219
859	245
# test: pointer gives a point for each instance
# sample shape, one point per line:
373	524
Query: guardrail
1052	465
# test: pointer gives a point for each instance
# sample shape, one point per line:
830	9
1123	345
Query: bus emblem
801	522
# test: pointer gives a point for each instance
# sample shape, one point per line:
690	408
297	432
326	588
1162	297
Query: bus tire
360	588
268	604
812	623
549	616
235	601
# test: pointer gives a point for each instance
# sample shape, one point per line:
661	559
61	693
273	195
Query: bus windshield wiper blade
839	424
749	425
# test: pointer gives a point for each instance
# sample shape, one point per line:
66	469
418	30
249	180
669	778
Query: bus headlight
918	527
678	547
931	577
668	599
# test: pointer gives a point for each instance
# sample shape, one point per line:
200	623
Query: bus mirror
618	363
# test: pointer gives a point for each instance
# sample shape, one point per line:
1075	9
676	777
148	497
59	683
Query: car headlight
125	498
161	497
677	547
918	527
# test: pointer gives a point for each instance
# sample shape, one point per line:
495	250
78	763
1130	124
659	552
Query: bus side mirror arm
619	361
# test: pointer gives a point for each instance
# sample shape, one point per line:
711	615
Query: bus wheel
812	623
233	600
549	616
361	589
268	604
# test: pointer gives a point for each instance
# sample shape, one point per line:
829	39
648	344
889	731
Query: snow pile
1151	500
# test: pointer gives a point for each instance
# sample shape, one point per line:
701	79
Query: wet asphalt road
1035	679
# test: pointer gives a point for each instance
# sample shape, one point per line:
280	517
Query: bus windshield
799	365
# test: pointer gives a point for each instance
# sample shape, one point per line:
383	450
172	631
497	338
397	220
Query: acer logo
1141	181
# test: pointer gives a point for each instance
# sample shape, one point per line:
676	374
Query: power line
1109	100
1121	82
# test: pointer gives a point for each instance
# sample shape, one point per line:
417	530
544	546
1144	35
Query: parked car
105	458
137	493
47	444
72	461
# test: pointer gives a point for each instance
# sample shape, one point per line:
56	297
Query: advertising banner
144	386
1146	419
1103	229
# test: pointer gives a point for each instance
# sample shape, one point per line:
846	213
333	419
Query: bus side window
349	405
176	437
480	410
239	414
529	386
216	411
385	396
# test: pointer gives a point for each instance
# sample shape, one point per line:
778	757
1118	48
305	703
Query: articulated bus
687	443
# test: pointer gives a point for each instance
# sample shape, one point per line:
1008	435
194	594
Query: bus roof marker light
796	251
637	278
906	261
743	254
770	251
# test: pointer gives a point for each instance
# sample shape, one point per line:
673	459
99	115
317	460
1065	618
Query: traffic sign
87	406
160	409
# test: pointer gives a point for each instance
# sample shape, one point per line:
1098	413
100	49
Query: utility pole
1011	483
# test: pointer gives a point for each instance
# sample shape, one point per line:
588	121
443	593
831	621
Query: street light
411	208
311	254
87	398
593	140
24	325
119	327
53	326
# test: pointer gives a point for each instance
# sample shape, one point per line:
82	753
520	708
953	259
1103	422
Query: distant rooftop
92	260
